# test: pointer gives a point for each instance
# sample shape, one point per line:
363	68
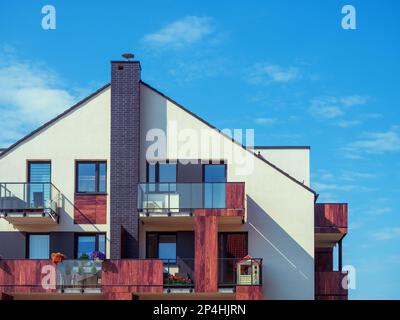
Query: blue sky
285	68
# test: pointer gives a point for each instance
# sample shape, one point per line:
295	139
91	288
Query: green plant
84	256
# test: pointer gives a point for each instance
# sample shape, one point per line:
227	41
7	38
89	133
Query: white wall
295	162
280	213
83	134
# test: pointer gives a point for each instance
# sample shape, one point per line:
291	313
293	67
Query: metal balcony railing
175	198
34	197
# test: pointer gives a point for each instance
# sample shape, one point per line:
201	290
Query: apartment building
143	199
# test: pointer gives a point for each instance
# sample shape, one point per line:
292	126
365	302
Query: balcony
121	278
29	203
331	285
330	221
183	200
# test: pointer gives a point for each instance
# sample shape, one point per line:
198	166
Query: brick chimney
124	166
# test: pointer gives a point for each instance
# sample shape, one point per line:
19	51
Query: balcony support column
206	251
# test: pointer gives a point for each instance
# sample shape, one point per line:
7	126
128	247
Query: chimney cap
128	56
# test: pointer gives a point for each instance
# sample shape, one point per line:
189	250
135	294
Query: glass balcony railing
29	197
79	274
178	272
184	197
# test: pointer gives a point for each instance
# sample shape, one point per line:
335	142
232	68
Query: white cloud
374	143
353	175
348	123
329	107
378	211
354	100
265	73
340	187
387	234
181	33
265	121
30	95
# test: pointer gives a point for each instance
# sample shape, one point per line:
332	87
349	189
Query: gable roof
233	140
77	105
3	152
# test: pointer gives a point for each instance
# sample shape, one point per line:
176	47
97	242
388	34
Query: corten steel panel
121	279
329	285
206	252
124	158
90	209
330	217
249	293
23	276
323	259
235	195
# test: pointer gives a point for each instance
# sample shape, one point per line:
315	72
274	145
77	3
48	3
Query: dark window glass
152	173
86	177
86	244
91	177
161	246
214	173
102	177
39	246
102	243
167	177
214	186
161	177
167	172
152	246
39	187
167	248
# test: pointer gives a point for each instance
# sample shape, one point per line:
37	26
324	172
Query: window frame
28	243
157	176
90	234
158	244
97	176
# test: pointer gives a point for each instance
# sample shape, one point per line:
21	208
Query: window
161	176
161	246
214	185
38	246
91	177
39	178
87	243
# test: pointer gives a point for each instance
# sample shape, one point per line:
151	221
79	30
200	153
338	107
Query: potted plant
57	257
97	256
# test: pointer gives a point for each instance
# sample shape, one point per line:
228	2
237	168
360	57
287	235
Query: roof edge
281	147
50	122
233	140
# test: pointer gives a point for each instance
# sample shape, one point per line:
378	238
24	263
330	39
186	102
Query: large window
38	246
161	246
88	243
214	185
39	178
91	177
161	176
